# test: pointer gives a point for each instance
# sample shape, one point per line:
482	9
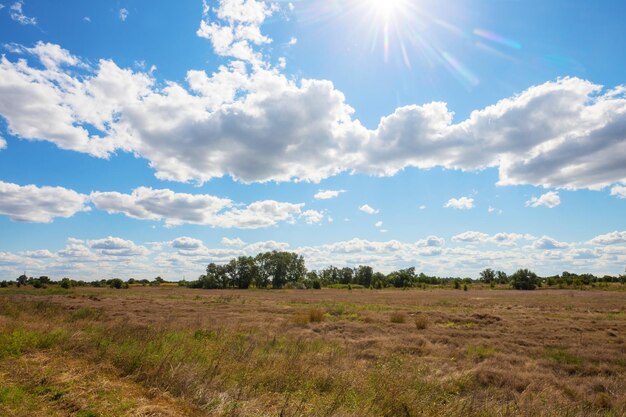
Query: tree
66	283
524	279
502	277
22	280
117	283
364	275
488	276
242	271
347	275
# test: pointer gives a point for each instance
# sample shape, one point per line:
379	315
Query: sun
386	8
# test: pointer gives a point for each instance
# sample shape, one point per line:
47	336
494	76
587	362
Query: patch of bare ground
323	353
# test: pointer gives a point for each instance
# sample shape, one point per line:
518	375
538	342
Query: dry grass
397	317
167	351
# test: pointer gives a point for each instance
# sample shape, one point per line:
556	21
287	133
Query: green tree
22	280
364	276
488	276
524	279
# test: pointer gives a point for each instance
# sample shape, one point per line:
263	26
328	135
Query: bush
66	283
398	317
317	285
524	279
117	283
421	322
316	315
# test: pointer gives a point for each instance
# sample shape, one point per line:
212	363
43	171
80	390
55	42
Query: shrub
398	317
117	283
421	322
316	315
524	279
317	285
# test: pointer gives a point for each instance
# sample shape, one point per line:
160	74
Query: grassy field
169	351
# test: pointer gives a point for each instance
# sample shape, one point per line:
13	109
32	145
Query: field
170	351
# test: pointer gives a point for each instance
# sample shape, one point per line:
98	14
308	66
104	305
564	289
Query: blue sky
150	138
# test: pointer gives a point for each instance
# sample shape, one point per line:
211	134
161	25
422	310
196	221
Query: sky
142	138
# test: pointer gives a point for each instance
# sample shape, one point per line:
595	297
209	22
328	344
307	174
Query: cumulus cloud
251	122
3	143
550	200
34	204
312	216
611	238
378	224
180	208
114	246
17	13
365	208
431	241
186	243
463	203
618	191
327	194
237	30
236	242
548	243
500	239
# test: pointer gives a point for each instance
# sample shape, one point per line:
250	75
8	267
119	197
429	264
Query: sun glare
385	8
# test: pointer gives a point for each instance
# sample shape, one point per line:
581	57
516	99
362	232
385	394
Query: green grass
20	340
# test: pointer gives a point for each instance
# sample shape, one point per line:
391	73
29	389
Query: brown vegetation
167	351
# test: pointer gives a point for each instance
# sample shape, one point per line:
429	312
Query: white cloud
367	209
236	30
292	41
470	237
618	191
232	242
30	203
253	123
548	243
3	143
87	19
17	14
430	242
422	207
378	224
180	208
123	14
550	200
612	238
312	216
500	239
327	194
463	203
186	243
38	254
115	246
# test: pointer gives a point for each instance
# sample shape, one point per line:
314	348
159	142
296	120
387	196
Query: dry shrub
421	322
398	317
314	315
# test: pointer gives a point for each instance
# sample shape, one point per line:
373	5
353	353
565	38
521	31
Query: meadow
175	351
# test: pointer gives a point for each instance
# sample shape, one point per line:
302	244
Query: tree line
287	270
278	269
